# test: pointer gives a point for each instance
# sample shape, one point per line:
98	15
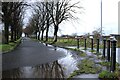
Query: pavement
30	53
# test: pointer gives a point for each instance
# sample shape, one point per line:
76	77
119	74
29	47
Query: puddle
61	68
95	76
101	50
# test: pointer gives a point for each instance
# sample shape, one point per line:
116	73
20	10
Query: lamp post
101	17
101	24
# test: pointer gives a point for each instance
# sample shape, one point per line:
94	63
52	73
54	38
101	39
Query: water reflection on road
101	50
51	70
57	69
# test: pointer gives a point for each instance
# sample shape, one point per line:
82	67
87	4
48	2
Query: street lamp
101	17
101	24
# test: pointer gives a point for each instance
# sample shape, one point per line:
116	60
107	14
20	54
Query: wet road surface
60	68
29	53
59	62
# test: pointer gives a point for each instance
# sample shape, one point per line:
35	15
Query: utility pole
101	18
101	24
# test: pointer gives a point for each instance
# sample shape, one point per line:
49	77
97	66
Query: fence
107	43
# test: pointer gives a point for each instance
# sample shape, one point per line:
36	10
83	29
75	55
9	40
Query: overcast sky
91	18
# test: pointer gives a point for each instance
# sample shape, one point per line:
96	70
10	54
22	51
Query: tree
48	21
96	33
12	17
53	13
6	9
33	24
41	12
59	11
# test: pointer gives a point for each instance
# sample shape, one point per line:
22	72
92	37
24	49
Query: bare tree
12	17
40	12
48	20
59	11
53	12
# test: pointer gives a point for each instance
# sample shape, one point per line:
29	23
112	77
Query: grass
104	63
107	75
82	54
93	51
8	47
74	73
73	42
86	66
118	44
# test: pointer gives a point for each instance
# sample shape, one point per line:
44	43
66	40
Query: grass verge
87	67
4	48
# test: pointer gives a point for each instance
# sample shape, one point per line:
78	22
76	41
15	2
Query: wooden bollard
108	50
104	47
91	43
85	44
98	41
78	43
113	55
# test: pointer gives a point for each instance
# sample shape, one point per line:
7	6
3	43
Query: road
29	53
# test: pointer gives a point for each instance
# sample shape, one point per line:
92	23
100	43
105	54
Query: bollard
85	44
91	43
46	44
55	48
104	47
108	50
78	43
113	55
98	45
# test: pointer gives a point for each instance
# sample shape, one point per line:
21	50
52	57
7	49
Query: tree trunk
12	34
39	35
6	28
42	35
55	33
12	31
15	35
47	29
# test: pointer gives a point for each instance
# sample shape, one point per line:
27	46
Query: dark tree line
51	13
12	16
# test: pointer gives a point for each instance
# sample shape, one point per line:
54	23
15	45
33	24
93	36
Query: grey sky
90	19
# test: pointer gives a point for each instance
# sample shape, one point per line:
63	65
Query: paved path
29	53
